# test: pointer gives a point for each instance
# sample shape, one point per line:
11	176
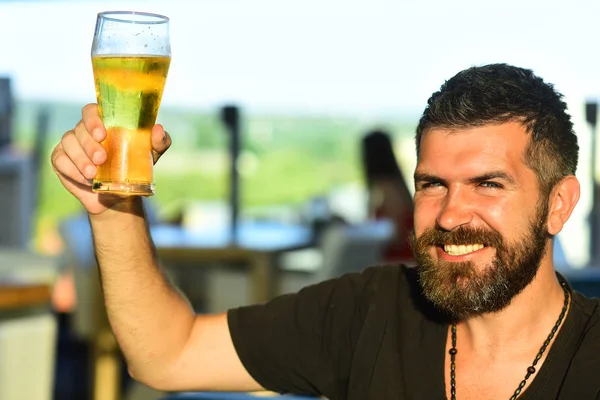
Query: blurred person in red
388	193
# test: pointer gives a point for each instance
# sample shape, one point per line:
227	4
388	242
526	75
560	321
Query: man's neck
525	322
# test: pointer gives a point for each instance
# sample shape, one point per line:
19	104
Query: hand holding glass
131	55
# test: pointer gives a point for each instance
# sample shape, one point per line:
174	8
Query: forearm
151	320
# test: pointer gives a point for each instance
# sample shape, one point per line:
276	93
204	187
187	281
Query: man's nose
456	210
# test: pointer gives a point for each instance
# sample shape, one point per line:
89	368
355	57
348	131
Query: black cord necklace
530	370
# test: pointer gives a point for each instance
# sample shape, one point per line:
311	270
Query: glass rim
112	16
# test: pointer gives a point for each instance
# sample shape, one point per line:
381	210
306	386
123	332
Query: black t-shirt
373	336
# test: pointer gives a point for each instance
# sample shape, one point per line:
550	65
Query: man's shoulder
582	355
589	311
586	317
586	309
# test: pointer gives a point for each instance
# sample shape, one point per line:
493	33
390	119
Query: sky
310	55
357	57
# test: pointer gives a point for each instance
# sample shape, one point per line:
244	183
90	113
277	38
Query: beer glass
131	54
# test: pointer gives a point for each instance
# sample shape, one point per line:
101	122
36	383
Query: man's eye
491	185
429	185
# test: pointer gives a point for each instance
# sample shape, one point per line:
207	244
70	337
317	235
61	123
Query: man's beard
462	291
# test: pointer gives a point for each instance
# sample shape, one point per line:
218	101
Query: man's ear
561	203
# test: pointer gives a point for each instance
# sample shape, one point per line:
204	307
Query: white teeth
462	249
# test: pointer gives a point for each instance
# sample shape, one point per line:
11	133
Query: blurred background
293	138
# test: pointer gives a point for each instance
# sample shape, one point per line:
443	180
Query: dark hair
499	93
379	161
378	156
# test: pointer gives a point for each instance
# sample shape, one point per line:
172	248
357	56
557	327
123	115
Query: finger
92	122
77	155
161	141
65	168
92	148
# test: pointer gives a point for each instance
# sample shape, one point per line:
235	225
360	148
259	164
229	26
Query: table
17	296
254	249
257	244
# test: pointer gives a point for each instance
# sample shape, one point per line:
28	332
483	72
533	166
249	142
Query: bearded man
483	315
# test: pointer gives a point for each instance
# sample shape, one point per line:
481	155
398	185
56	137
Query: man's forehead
489	146
512	135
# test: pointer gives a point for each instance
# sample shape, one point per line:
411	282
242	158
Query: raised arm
165	344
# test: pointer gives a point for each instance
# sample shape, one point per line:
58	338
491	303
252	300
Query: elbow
139	376
155	377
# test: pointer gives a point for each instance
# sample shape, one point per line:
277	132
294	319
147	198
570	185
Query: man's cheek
420	224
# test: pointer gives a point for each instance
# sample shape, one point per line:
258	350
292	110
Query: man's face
480	225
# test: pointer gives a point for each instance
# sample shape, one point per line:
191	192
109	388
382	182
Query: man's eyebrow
492	175
424	177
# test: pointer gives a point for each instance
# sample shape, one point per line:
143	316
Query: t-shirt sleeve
303	343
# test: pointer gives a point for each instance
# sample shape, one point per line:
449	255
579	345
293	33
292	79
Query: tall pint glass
131	54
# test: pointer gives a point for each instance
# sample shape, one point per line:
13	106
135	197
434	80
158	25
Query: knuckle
66	135
58	161
82	134
80	125
87	108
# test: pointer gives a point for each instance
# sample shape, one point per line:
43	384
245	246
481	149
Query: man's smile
459	250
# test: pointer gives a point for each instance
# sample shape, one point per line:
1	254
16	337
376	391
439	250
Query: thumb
161	141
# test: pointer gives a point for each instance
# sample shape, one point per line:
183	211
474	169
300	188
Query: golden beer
129	89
